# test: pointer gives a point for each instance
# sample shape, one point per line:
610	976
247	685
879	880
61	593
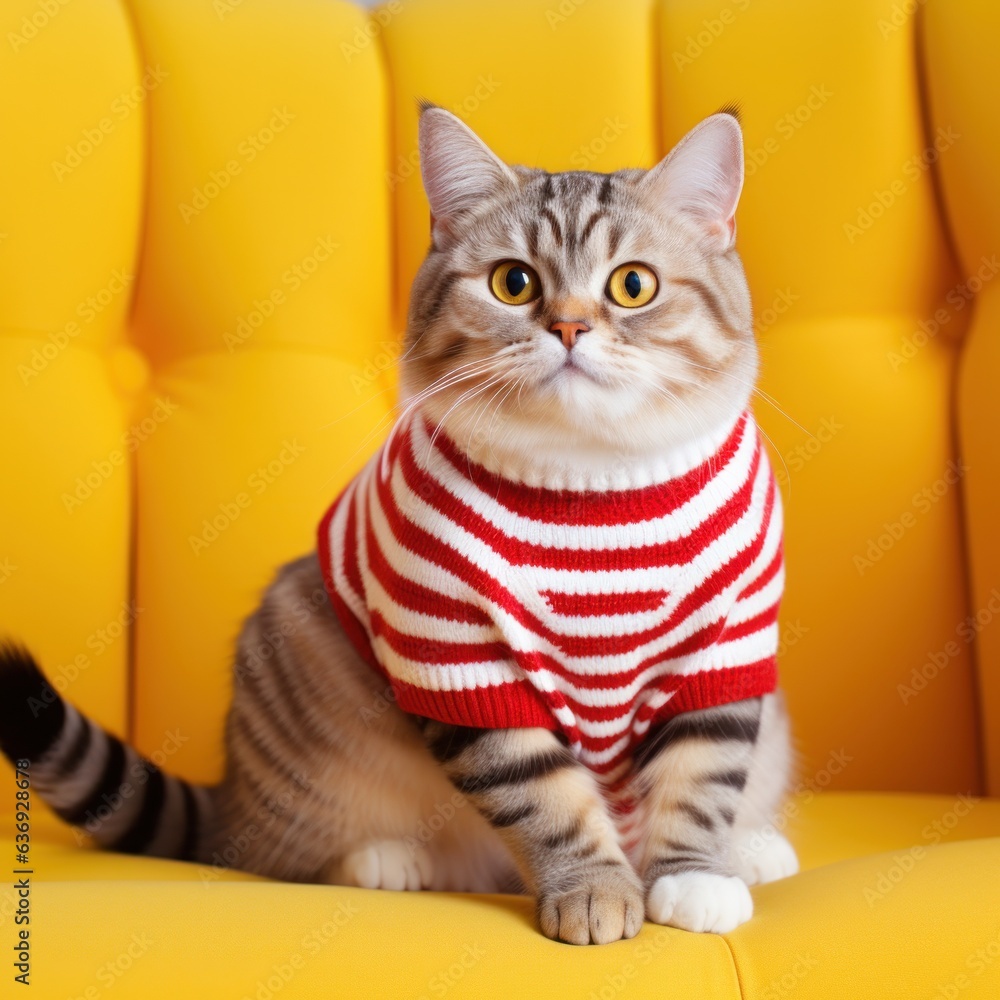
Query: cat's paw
388	864
604	905
699	901
760	857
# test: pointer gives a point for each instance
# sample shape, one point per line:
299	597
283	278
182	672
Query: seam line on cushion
292	348
658	15
397	309
137	257
927	119
736	966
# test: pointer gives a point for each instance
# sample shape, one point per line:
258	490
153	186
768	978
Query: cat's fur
341	785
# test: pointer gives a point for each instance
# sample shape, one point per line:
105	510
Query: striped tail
89	777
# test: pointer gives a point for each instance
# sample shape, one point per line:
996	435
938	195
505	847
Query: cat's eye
632	285
515	283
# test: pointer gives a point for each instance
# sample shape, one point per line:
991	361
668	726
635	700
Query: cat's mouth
573	367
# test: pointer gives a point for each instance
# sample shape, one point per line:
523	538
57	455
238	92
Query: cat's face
580	310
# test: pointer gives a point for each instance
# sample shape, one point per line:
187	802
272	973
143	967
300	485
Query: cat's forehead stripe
616	234
573	187
591	223
531	235
557	233
563	201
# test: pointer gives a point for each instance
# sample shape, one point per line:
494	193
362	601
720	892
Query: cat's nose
569	330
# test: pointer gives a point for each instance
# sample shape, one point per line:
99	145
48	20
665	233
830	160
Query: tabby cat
534	650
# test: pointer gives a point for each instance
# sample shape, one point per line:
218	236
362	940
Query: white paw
698	901
764	857
388	864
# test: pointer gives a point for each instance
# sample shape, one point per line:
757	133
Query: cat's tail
90	778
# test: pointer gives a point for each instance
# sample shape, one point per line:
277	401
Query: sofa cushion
898	895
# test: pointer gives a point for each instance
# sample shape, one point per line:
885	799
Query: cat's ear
459	170
703	176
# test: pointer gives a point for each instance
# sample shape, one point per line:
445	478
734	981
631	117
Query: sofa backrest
213	214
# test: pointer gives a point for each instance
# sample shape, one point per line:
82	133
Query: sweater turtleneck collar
614	473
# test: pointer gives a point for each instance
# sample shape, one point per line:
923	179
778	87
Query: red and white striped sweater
491	603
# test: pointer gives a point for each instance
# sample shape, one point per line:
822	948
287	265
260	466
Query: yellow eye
632	285
515	283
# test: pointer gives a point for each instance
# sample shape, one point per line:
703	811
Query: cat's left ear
702	177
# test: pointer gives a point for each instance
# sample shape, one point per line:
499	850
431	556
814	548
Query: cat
534	650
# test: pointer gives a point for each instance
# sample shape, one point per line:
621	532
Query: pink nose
569	330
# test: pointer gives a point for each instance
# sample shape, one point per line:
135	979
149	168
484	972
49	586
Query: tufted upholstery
211	217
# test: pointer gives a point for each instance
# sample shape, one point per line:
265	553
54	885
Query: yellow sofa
211	214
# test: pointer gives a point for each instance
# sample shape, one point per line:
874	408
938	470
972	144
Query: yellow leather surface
826	828
858	444
264	291
521	86
71	197
962	72
224	199
859	440
261	338
892	925
883	910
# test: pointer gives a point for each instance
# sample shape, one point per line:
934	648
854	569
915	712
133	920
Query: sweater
489	602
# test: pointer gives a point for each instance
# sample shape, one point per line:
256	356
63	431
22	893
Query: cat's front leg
549	811
692	771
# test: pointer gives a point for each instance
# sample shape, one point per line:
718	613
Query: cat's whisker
445	382
458	402
360	406
480	411
407	406
399	403
521	383
464	396
770	441
673	398
767	397
719	393
496	411
473	367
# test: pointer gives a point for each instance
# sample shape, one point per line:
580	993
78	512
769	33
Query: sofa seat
881	909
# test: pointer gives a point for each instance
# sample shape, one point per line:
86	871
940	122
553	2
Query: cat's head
580	312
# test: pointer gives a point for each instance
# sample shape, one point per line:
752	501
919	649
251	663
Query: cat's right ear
459	170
